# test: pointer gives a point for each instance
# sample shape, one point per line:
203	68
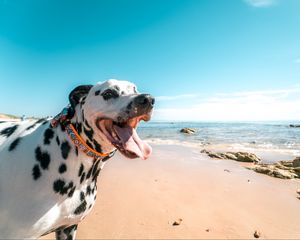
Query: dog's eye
110	93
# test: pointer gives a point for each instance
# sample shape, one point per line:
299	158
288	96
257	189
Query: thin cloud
176	97
265	94
280	104
260	3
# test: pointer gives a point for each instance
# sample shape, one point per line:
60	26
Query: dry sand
214	198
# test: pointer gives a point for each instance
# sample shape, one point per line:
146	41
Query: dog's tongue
132	142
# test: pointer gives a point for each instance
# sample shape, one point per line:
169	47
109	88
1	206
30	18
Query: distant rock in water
236	156
295	125
188	130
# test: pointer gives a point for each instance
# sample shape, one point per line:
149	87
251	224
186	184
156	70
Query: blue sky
202	59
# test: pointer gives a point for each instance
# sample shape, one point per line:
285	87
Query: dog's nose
144	100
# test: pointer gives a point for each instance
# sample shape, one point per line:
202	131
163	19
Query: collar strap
62	118
78	142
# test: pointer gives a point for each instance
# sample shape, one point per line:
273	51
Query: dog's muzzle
122	132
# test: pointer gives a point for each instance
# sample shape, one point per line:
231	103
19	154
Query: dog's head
113	110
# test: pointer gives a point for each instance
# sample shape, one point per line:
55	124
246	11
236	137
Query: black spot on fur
89	144
95	168
89	133
97	92
58	186
88	175
62	168
62	188
46	121
31	126
70	184
106	158
42	157
81	208
78	127
66	233
57	141
48	135
88	190
9	131
81	168
65	149
90	206
129	106
2	122
70	194
41	120
97	146
69	230
83	116
87	124
82	178
76	150
14	144
62	127
36	172
95	197
82	196
96	175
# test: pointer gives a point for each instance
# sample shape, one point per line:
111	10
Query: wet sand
214	198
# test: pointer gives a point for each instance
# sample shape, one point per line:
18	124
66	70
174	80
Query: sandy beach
214	198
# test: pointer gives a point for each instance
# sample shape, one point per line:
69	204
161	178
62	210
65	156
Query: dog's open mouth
124	137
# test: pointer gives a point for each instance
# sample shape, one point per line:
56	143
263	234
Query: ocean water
259	135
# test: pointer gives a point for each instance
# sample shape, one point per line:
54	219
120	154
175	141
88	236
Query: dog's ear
78	93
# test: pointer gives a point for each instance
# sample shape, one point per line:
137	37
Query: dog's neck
88	132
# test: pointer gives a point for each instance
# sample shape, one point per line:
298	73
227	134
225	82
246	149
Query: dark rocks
257	234
273	171
281	169
294	125
296	162
177	222
236	156
298	192
188	130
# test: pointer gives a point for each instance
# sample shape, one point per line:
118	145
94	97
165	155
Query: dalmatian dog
47	183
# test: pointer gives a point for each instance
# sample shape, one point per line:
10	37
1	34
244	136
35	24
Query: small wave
265	147
173	142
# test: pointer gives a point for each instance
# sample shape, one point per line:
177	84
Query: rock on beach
236	156
281	169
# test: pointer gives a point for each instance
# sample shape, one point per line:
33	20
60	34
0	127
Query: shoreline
268	155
